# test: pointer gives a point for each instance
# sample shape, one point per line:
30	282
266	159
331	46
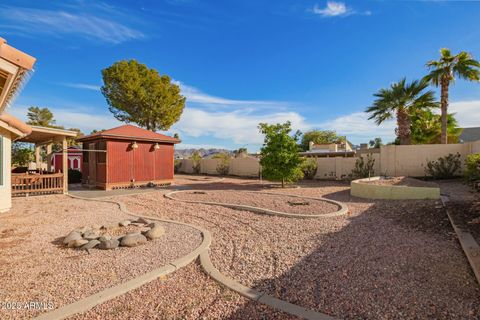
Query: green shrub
196	158
223	165
309	168
74	176
177	165
472	167
445	167
364	169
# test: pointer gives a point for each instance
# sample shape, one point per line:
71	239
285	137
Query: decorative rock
133	240
74	235
90	245
83	230
108	244
155	233
153	224
142	221
124	223
77	243
96	227
105	237
91	235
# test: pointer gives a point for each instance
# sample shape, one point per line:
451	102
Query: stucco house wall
5	165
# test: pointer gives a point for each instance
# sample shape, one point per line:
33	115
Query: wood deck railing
25	184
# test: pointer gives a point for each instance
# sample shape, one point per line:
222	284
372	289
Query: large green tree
426	128
141	95
280	160
444	71
319	137
402	99
40	117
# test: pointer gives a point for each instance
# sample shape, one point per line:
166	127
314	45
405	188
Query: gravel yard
282	203
402	181
35	267
372	264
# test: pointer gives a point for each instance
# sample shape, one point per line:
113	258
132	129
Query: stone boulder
156	232
142	221
74	235
91	235
108	244
77	243
90	245
124	223
133	240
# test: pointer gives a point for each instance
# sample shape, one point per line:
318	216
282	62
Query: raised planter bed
399	188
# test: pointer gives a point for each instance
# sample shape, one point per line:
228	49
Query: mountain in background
187	153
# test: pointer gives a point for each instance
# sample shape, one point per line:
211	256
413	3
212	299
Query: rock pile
96	236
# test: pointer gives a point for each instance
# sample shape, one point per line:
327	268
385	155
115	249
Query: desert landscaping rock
124	223
142	221
74	235
105	237
91	236
90	245
155	233
77	243
133	240
109	244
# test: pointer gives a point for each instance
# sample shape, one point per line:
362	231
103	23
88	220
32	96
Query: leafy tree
223	165
280	160
240	151
376	143
196	157
401	99
40	117
319	137
426	128
176	136
21	154
141	95
444	71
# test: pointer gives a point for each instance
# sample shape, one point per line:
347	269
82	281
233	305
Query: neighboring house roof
470	134
129	132
324	152
14	125
14	69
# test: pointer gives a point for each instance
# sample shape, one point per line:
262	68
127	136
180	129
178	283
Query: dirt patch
280	202
402	181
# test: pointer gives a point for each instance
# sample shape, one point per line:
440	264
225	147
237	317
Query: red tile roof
129	132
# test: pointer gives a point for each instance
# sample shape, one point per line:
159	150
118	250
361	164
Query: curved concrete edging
105	295
343	207
259	296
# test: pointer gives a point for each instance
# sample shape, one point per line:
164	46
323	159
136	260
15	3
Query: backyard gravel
372	264
281	203
402	181
35	267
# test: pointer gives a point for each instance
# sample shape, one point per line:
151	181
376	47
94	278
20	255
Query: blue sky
315	63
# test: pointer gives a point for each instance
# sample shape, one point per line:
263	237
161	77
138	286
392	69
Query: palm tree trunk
444	108
403	126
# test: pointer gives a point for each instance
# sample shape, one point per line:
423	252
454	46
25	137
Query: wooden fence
27	184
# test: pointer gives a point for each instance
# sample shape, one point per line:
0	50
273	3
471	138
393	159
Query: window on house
101	156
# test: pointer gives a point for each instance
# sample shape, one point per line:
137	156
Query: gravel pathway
371	264
34	267
281	203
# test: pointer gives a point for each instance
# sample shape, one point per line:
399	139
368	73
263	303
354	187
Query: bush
363	169
472	169
223	165
196	158
177	165
445	167
74	176
309	168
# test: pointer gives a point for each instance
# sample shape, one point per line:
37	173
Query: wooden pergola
39	182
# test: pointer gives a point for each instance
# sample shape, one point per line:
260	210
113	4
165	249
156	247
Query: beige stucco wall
243	167
341	168
5	187
209	166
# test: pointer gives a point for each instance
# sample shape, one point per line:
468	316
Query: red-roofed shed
127	156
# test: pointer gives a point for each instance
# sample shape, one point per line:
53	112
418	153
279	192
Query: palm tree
444	71
402	99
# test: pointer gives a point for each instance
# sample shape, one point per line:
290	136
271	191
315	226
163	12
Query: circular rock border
343	207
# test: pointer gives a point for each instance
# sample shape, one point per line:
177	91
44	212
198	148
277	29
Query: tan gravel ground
34	267
386	260
186	294
403	181
281	203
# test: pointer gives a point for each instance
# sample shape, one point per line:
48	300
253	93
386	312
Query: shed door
92	165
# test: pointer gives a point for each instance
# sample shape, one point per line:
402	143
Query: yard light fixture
134	145
156	146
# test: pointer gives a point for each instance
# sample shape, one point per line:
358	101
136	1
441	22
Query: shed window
102	156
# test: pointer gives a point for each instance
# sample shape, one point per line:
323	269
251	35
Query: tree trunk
283	183
403	126
444	107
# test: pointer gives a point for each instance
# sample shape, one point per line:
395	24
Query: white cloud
333	9
467	113
82	86
29	21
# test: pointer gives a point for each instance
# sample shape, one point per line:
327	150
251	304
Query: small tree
309	168
223	165
40	117
472	167
21	154
196	157
376	143
364	169
319	137
141	95
280	159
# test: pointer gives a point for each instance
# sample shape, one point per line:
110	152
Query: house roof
470	134
129	132
16	56
14	125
